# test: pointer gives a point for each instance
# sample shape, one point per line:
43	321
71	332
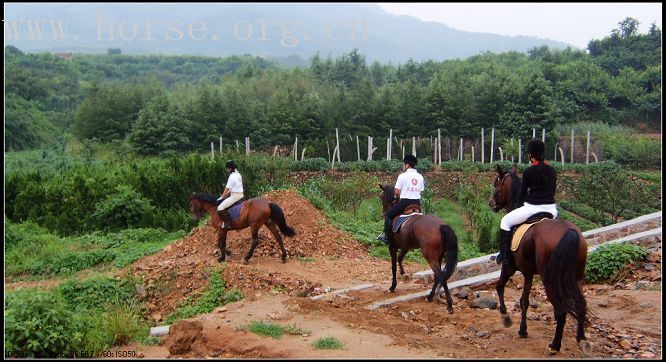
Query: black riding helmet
536	148
411	160
230	164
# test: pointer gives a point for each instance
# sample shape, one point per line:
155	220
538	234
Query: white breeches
521	214
232	199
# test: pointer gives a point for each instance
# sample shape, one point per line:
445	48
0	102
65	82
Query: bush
122	323
328	343
608	259
125	208
41	325
95	292
311	164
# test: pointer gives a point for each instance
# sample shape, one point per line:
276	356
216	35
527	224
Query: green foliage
583	224
39	325
124	208
607	187
33	251
265	329
597	216
473	198
122	323
608	259
215	295
328	343
311	164
95	292
346	194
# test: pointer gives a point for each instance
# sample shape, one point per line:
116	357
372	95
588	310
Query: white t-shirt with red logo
410	184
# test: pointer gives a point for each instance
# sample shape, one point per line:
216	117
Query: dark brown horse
554	249
432	236
254	213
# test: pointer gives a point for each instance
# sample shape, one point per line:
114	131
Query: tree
607	187
160	128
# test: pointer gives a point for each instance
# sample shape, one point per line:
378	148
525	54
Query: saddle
235	209
408	213
520	229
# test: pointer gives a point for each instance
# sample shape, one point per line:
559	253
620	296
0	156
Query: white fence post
483	155
520	151
572	145
358	148
561	154
587	151
247	145
220	144
492	146
212	151
439	146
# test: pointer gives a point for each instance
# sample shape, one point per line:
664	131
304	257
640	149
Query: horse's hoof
220	260
227	252
391	290
284	260
450	310
522	334
551	350
245	261
428	299
585	347
506	320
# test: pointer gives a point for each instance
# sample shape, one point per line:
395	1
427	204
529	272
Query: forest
161	104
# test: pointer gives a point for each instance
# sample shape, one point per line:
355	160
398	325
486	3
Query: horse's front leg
255	242
524	304
506	273
222	244
394	267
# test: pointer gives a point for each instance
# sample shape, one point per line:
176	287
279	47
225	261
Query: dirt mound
182	335
182	268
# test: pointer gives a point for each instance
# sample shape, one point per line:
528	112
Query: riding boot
226	218
505	239
385	237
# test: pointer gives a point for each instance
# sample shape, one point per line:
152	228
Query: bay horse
254	213
428	233
554	249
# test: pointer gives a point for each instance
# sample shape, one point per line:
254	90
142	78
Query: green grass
583	224
265	329
297	331
215	295
328	343
33	252
306	259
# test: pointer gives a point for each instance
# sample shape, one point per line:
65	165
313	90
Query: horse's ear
381	187
499	170
514	168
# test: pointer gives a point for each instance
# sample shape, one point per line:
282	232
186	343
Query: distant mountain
268	30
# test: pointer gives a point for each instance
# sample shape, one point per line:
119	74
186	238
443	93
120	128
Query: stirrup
382	237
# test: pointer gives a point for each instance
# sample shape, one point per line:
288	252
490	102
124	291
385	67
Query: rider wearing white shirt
409	186
234	190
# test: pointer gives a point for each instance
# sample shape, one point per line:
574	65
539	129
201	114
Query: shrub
122	322
328	343
122	209
41	325
265	329
311	164
93	293
608	259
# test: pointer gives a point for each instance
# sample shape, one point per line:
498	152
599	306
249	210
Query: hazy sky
573	23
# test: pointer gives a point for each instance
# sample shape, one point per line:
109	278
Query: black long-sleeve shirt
538	186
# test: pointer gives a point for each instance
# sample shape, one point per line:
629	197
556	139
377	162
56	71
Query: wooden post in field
561	154
492	145
595	157
212	151
369	148
439	146
472	154
358	149
572	146
236	146
587	150
334	152
501	154
533	133
247	145
303	154
390	145
520	151
328	150
337	144
296	149
555	156
434	151
414	146
511	150
483	155
220	144
462	149
275	151
543	136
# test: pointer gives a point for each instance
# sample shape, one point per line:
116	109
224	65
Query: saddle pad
235	210
520	231
401	220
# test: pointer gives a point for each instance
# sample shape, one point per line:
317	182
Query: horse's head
503	184
387	196
196	208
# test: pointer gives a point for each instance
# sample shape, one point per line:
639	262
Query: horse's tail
278	217
560	274
450	241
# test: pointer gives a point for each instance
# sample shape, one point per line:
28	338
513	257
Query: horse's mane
204	196
514	193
